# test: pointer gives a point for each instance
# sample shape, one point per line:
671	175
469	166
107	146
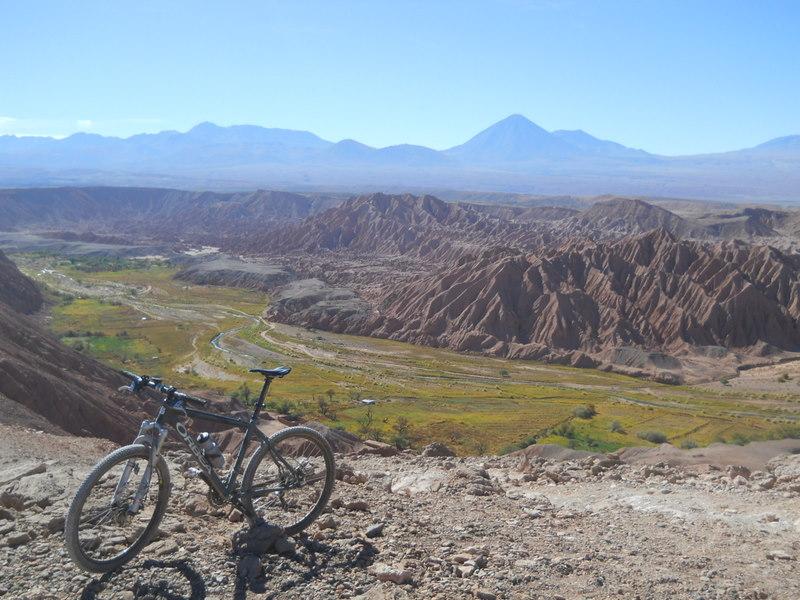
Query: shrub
242	394
292	411
402	433
564	430
365	421
784	378
504	373
654	437
323	407
400	442
688	444
585	412
616	427
740	439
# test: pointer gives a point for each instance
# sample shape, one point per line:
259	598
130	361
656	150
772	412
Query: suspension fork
152	435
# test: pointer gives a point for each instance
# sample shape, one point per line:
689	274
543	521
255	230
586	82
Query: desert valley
479	327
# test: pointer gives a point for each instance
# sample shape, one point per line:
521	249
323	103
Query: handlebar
139	382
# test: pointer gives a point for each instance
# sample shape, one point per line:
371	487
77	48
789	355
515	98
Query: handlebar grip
188	398
136	381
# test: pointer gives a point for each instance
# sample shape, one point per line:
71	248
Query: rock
437	450
18	539
766	483
235	516
563	567
484	595
349	475
779	555
552	476
40	490
785	467
417	483
357	505
394	574
735	471
196	507
379	448
55	524
465	570
384	591
38	593
6	515
327	522
164	548
375	530
284	545
9	499
16	472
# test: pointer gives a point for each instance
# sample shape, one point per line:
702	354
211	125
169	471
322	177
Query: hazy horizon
345	139
672	79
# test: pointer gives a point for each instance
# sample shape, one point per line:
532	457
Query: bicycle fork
152	435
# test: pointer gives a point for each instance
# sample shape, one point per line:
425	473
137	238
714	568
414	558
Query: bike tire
71	537
264	452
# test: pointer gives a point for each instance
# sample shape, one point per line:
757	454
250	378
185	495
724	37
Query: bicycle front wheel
289	480
104	528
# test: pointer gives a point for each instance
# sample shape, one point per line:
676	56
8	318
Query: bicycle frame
175	415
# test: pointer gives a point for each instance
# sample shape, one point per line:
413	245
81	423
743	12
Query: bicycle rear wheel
100	532
289	481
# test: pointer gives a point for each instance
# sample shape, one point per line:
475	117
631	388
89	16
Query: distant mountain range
513	155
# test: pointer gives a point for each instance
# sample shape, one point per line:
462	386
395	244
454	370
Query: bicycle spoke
297	466
106	528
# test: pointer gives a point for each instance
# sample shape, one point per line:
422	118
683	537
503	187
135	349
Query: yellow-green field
139	318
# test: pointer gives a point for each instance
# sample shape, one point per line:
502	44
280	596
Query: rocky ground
411	526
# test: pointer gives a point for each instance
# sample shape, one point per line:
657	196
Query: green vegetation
244	395
654	437
142	319
102	264
585	412
402	433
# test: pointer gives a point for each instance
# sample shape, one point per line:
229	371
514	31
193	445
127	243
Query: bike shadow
270	573
266	566
153	579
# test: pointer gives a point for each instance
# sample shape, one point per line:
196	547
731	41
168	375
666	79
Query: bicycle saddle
272	373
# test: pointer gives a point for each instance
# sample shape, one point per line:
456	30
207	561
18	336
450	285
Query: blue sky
669	76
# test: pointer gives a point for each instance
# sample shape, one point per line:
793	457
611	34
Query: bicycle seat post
269	375
263	396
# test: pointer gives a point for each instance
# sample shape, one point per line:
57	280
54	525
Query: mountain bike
117	509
